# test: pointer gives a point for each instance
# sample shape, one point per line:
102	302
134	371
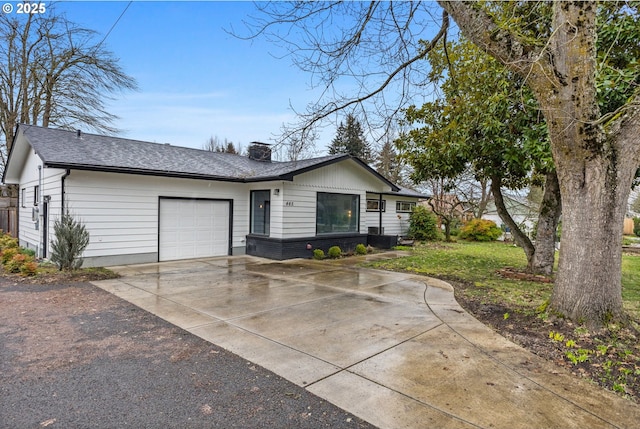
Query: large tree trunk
594	177
550	209
595	166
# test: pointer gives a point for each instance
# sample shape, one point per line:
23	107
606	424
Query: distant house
148	202
519	208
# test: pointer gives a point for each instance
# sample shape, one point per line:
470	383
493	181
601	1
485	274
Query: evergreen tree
388	164
350	139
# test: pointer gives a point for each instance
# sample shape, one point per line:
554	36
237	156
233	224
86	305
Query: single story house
148	202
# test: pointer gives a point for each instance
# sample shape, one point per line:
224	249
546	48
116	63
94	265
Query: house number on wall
288	203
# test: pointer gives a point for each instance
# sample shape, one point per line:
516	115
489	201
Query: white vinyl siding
121	210
392	222
300	196
49	186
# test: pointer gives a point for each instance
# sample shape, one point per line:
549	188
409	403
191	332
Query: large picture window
337	213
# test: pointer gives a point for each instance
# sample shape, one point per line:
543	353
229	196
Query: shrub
8	254
636	226
318	254
8	242
29	269
423	225
334	252
361	249
71	238
16	263
28	252
480	230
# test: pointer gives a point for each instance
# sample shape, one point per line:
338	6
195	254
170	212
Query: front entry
260	212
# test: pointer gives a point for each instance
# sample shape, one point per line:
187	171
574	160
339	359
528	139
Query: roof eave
141	172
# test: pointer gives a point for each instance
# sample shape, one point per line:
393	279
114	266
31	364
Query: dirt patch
611	359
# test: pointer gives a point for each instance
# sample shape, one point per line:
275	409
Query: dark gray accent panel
382	241
280	249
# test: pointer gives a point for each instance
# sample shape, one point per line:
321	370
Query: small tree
71	239
423	225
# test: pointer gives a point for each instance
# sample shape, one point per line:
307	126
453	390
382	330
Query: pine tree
350	139
388	164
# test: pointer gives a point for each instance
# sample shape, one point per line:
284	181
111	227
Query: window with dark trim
36	195
337	213
374	205
405	206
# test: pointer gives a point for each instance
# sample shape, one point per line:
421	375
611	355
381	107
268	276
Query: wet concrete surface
394	349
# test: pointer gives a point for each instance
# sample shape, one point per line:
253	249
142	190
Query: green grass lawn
478	263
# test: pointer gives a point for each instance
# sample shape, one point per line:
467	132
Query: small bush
8	242
16	263
28	252
318	254
334	252
423	225
480	230
29	269
636	226
361	249
71	240
8	254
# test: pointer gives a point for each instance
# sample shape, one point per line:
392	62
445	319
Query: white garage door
193	229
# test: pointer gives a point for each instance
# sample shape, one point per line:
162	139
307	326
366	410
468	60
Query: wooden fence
9	220
628	226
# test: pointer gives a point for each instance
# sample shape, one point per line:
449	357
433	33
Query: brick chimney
260	151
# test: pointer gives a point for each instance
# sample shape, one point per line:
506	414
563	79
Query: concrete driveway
394	349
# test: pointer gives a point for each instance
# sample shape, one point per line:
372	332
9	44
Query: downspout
380	214
41	237
62	191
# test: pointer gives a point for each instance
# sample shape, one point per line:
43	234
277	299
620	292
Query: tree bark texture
550	210
595	165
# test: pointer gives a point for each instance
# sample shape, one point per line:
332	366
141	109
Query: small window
36	195
23	197
405	206
374	205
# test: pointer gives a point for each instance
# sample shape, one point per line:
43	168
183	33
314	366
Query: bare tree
214	144
53	72
376	47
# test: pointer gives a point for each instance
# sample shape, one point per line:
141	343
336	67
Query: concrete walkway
394	349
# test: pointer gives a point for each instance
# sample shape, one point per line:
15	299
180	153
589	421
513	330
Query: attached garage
146	202
194	228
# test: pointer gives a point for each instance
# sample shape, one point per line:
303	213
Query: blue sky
195	79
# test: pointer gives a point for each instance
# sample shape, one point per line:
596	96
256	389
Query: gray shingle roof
64	149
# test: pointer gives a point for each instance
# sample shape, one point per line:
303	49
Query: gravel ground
74	356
